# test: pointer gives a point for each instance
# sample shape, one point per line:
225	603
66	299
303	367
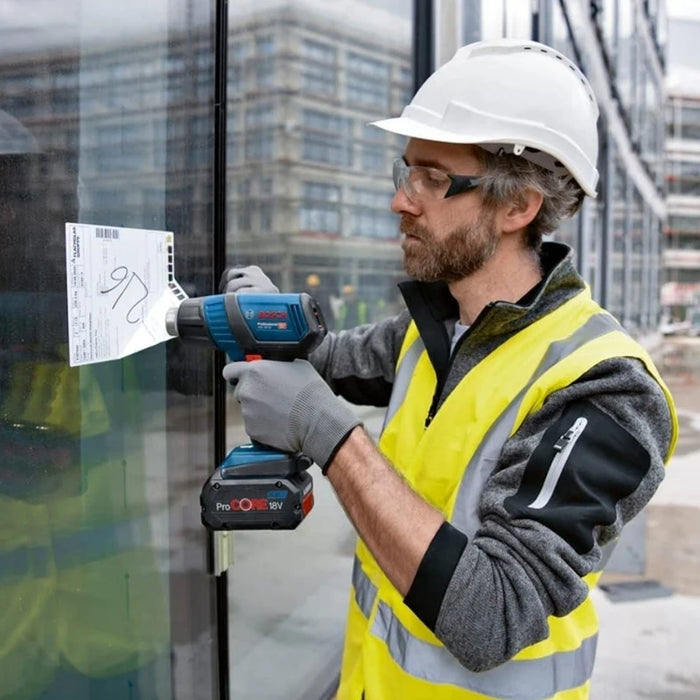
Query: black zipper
441	380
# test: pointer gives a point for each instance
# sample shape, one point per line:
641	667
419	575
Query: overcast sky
685	9
25	24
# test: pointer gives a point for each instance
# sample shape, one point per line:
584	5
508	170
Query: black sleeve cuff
341	442
435	573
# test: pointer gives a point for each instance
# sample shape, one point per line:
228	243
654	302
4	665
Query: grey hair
505	178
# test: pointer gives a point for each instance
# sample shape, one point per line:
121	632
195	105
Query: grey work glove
246	279
287	405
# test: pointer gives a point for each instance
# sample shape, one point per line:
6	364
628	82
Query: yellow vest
80	576
389	653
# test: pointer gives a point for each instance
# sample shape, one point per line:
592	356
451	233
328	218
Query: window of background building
635	301
690	122
371	214
626	58
616	293
684	178
326	138
687	227
264	62
367	81
319	67
373	150
320	208
654	269
652	128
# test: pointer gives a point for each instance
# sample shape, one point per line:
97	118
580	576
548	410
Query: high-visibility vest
343	323
29	652
111	588
79	568
389	653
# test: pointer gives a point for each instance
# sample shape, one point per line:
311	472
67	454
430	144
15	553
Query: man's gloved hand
246	279
287	405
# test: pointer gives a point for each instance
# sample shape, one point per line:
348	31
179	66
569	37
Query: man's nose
401	203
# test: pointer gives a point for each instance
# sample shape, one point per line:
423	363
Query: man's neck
507	276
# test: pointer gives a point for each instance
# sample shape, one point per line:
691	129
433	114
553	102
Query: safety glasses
421	183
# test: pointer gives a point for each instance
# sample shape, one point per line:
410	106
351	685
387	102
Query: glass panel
619	225
652	125
104	120
594	275
605	18
558	33
313	202
636	301
626	57
506	18
690	122
684	178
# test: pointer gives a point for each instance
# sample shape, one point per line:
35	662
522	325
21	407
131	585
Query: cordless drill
256	487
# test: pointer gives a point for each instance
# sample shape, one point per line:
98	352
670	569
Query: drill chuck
171	321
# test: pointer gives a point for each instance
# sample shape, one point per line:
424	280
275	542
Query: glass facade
103	571
621	50
107	116
326	201
681	288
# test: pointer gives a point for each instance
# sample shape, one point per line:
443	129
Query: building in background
681	289
309	181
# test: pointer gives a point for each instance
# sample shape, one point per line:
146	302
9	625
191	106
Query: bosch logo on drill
277	315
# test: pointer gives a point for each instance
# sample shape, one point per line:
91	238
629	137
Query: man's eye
434	181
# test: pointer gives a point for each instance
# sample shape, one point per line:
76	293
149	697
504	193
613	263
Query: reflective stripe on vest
76	549
403	378
97	543
465	516
28	561
528	679
365	590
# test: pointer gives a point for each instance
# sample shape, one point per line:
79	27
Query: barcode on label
107	232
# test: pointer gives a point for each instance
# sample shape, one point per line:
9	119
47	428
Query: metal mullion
218	265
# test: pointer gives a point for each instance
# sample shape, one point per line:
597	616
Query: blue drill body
256	486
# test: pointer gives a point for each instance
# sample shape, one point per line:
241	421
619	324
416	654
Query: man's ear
518	214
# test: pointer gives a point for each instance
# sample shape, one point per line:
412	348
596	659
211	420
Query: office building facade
681	289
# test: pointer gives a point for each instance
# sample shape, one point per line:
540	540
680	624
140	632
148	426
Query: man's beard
463	252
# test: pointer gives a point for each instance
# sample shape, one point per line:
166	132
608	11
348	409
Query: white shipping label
120	284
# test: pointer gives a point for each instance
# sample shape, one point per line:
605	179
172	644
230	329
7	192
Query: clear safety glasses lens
420	182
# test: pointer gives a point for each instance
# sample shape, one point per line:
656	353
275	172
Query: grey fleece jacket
488	597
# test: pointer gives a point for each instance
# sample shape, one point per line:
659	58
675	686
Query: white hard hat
518	96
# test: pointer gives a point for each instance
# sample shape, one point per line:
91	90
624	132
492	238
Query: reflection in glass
309	189
89	133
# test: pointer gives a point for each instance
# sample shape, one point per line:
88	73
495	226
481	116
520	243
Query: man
322	297
353	312
524	427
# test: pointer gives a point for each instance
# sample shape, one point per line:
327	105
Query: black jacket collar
431	305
